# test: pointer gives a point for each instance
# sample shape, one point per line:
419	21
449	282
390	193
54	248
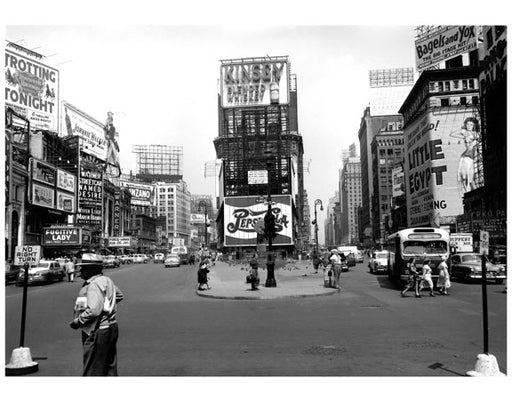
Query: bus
420	243
182	251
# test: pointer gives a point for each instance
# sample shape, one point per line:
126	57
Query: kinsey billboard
443	154
142	194
62	236
445	43
254	82
242	213
74	122
32	88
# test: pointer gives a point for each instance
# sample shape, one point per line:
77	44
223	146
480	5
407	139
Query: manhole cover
326	350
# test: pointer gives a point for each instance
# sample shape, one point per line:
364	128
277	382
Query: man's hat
91	260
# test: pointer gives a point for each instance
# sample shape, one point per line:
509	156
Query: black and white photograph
301	208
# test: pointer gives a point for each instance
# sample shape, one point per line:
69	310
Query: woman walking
426	278
443	282
412	279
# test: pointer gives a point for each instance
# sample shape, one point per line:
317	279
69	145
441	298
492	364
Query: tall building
259	145
442	144
158	162
350	200
172	200
331	223
198	204
387	153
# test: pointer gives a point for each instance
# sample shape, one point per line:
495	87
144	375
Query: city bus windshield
425	247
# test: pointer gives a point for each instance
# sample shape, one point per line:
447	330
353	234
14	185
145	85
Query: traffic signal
270	225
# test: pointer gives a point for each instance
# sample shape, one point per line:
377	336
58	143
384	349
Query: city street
366	329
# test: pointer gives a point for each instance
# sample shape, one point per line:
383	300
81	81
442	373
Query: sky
161	84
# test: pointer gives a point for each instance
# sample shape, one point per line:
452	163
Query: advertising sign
462	242
66	181
60	236
116	241
43	196
254	82
197	219
397	174
444	44
43	172
90	196
484	242
142	194
66	202
30	254
241	214
91	132
257	177
442	155
32	88
116	227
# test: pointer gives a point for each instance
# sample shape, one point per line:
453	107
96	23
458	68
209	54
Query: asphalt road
167	330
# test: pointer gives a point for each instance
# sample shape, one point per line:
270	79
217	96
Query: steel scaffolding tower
159	162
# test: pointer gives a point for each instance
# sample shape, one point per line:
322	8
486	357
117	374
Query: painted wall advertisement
90	197
142	194
31	88
251	82
62	236
91	132
443	153
241	214
443	44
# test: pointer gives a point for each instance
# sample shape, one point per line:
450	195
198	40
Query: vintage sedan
111	261
468	267
46	271
172	260
140	259
159	257
11	273
379	262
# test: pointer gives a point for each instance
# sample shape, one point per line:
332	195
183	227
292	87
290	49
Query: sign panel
442	156
257	177
197	219
462	242
66	181
444	44
254	82
32	88
43	172
242	214
116	227
91	132
62	236
397	175
116	241
43	196
142	194
90	196
24	254
66	202
484	242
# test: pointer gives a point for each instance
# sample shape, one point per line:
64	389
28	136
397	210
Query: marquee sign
62	236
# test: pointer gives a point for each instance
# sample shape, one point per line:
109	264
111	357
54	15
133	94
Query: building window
456	84
445	102
474	100
447	86
464	84
471	84
440	86
489	38
462	100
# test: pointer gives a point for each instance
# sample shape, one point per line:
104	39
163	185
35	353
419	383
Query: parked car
379	262
172	260
348	251
140	258
11	273
468	267
126	259
159	257
45	272
111	261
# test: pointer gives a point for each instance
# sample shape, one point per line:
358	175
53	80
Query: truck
461	242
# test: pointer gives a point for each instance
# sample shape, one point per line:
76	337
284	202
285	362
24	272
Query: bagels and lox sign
242	214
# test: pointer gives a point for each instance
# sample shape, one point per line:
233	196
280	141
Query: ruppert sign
241	214
254	82
62	236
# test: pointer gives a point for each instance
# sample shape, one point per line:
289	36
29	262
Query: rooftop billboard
32	89
142	194
254	82
241	214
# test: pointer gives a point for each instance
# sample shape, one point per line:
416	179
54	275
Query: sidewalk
295	279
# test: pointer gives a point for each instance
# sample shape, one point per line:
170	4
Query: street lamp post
202	203
270	232
317	202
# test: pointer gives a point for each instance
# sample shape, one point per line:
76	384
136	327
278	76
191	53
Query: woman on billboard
466	170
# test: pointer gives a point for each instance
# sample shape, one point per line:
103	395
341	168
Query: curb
296	296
